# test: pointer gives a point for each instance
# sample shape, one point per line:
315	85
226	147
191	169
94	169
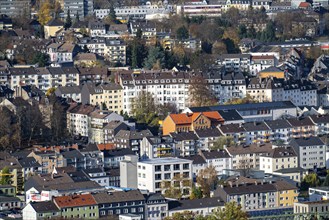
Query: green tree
68	21
223	141
269	32
155	59
326	181
237	101
5	176
310	180
242	31
182	33
112	16
41	59
196	193
77	17
138	50
231	211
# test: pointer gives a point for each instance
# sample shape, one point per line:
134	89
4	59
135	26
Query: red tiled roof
189	118
108	146
75	201
304	5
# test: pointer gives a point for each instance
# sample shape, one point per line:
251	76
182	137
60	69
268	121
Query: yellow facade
287	197
111	98
50	31
279	75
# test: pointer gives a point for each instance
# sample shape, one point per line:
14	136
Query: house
247	156
107	95
120	202
62	52
219	159
175	172
93	74
257	132
301	127
198	163
204	206
112	158
96	28
271	72
186	143
156	207
52	28
77	206
321	124
86	60
278	158
112	128
207	137
7	190
69	92
41	210
236	131
48	159
157	147
10	202
310	152
281	130
320	208
186	122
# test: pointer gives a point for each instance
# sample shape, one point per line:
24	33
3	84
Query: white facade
318	194
270	164
151	174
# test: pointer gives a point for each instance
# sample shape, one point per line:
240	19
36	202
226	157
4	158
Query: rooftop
167	160
75	201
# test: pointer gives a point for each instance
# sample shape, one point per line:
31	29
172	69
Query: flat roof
167	160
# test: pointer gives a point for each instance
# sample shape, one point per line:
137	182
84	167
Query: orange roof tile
108	146
187	118
304	5
75	201
180	119
213	116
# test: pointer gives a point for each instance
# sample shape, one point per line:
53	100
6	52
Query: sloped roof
75	201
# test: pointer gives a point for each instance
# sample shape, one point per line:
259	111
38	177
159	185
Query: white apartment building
78	119
219	159
235	62
311	152
155	175
280	130
61	52
137	12
278	158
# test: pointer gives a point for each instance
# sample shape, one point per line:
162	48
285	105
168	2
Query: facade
15	8
318	208
279	158
219	159
154	172
80	7
40	210
310	152
78	119
156	207
62	52
318	193
52	28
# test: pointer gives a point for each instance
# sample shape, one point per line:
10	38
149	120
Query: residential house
108	95
259	63
247	156
219	159
93	75
112	128
236	131
278	158
41	210
156	207
62	52
301	127
321	124
281	130
257	132
78	119
157	147
69	92
318	193
318	208
310	152
271	72
198	163
186	143
112	158
53	27
77	206
207	137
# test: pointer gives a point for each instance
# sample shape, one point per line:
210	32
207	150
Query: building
52	28
318	193
186	143
279	158
157	146
317	208
128	171
77	206
106	95
310	151
41	210
173	171
78	7
219	159
121	202
271	72
15	8
156	207
62	52
186	122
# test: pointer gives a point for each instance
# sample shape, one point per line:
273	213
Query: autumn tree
58	118
200	93
5	128
196	193
219	47
236	101
207	180
155	59
68	20
186	215
44	14
41	59
326	180
144	109
182	33
310	180
5	176
223	141
231	211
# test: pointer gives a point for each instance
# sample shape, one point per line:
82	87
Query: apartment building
236	131
235	62
62	52
257	132
207	138
280	130
82	8
157	147
78	119
318	193
15	8
278	158
48	160
247	157
310	151
301	127
108	95
316	208
186	143
219	159
156	175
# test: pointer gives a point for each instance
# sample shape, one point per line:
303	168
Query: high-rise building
15	8
81	7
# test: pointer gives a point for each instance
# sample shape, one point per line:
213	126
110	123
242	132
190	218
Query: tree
44	14
196	193
5	176
138	50
144	109
68	21
58	119
112	15
219	47
231	211
41	59
200	93
310	180
269	33
223	141
155	59
5	128
182	33
186	215
237	101
326	180
77	17
207	180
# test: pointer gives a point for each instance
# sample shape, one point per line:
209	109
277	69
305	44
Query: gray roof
197	159
69	89
181	136
134	135
214	154
255	126
195	204
9	199
28	162
278	124
72	154
209	132
44	207
230	115
303	142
